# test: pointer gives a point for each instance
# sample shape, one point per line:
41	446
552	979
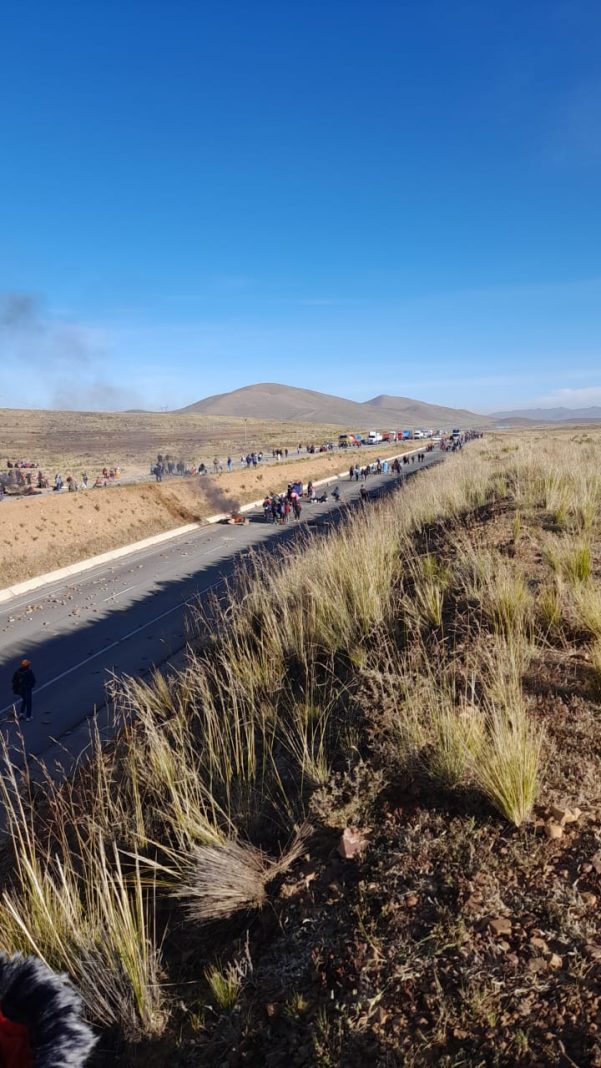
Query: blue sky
351	197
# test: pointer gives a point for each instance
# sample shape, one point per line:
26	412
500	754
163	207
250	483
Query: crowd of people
23	478
279	507
165	465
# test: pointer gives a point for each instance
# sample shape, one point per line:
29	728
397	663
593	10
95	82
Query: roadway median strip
71	570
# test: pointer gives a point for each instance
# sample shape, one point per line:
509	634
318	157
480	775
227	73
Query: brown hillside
269	400
415	411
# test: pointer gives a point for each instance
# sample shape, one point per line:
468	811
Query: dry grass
415	599
588	605
88	441
223	879
507	768
75	907
224	985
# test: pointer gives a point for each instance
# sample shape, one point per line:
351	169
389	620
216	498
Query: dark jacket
41	1022
23	681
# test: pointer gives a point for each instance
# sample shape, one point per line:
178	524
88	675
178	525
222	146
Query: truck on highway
374	437
346	440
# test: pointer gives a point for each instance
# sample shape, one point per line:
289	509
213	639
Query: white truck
374	437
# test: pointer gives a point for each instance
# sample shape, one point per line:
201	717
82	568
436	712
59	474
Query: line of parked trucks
374	437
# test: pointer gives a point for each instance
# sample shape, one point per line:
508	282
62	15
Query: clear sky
359	198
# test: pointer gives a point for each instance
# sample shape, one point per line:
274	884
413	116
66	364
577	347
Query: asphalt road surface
129	616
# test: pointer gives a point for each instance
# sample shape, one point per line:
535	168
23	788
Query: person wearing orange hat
23	684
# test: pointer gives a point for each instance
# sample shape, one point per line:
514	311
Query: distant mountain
552	415
269	400
422	412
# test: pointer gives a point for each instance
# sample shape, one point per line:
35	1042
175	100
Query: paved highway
126	617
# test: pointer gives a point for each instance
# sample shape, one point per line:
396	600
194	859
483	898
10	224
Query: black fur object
48	1006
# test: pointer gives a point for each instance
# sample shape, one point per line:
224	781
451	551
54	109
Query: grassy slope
429	676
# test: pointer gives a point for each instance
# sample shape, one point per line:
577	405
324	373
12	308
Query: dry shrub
220	880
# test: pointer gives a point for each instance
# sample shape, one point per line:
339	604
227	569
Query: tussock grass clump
572	561
588	607
224	985
493	583
508	765
458	737
550	606
325	597
423	602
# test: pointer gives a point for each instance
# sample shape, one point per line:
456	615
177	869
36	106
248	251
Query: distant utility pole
245	441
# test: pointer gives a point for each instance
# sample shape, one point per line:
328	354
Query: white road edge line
119	593
30	585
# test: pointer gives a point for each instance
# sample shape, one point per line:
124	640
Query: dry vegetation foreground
39	534
363	825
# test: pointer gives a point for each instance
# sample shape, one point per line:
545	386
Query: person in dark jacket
23	684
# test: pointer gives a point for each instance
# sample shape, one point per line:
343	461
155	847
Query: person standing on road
23	684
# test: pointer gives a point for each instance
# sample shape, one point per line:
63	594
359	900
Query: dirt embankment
39	534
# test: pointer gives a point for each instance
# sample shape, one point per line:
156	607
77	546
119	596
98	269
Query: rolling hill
269	400
415	411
